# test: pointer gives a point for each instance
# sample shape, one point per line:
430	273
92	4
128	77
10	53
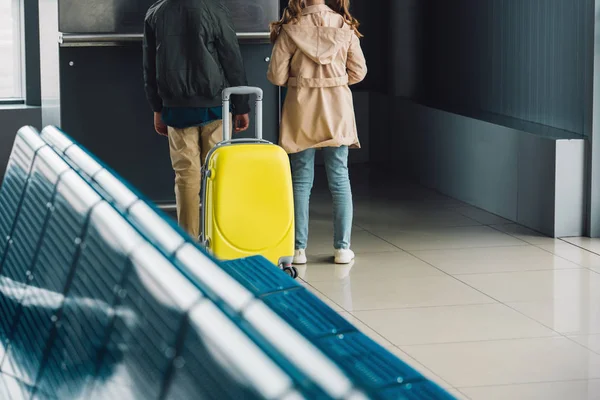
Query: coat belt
318	82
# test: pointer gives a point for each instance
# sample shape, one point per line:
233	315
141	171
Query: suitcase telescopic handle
242	90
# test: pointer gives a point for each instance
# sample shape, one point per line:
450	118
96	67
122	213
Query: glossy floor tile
505	362
484	307
483	217
590	244
447	238
452	324
574	390
575	254
525	234
432	291
569	316
321	243
592	342
537	285
370	267
494	259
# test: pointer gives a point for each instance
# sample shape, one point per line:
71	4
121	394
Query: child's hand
159	126
241	123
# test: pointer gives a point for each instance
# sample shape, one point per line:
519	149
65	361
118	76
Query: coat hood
320	43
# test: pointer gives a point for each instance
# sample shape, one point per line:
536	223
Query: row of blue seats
63	209
90	307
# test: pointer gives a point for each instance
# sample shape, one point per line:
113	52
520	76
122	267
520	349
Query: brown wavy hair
293	11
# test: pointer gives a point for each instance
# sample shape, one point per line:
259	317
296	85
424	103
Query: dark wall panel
519	59
104	107
375	26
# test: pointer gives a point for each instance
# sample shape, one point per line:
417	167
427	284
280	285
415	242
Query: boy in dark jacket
191	53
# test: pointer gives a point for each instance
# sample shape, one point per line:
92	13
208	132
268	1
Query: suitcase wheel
291	271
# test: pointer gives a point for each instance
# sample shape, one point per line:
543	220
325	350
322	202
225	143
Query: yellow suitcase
247	195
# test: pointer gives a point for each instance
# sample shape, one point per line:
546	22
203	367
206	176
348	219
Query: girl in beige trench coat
317	55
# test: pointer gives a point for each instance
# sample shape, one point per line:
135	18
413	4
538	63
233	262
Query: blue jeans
303	173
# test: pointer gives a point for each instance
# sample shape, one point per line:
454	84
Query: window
11	65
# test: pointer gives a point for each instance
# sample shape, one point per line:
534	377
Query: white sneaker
300	257
343	256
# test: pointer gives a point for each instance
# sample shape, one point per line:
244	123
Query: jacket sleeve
279	67
356	64
150	85
230	57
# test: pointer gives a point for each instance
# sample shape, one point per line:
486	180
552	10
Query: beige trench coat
317	59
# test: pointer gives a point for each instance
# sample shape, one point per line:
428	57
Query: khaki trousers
189	148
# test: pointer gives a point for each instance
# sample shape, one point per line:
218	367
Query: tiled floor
486	308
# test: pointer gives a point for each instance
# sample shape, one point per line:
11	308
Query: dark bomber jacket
191	53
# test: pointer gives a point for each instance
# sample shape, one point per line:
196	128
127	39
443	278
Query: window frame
18	58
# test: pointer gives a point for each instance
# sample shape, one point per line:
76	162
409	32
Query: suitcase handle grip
242	90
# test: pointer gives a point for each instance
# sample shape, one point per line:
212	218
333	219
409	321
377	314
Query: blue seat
71	152
29	226
147	218
56	139
156	228
369	364
219	361
219	286
259	275
25	147
92	303
235	300
307	313
112	189
142	344
48	277
308	360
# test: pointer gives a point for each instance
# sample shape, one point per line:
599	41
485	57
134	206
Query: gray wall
531	179
374	25
487	105
520	59
11	119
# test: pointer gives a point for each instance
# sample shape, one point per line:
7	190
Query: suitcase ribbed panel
309	315
367	362
415	391
20	253
259	275
44	295
149	339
